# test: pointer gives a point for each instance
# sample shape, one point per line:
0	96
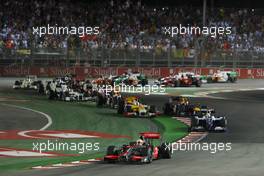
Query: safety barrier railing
148	57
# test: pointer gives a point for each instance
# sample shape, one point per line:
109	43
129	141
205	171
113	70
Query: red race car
141	151
182	79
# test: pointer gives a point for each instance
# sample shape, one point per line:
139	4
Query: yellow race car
131	106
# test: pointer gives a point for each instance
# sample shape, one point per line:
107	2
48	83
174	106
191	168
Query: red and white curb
69	164
207	94
55	134
184	120
16	153
192	136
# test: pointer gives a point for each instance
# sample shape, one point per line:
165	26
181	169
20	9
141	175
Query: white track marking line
21	153
39	112
45	167
75	162
69	164
93	160
158	93
244	89
201	138
69	135
64	165
24	134
189	95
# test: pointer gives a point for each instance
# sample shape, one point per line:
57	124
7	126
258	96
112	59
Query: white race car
205	120
66	89
30	82
220	77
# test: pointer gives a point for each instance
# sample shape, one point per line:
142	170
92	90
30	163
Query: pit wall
86	72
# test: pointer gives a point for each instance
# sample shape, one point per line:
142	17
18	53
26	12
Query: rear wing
150	135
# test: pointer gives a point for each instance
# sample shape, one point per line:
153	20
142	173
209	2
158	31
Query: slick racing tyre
167	110
165	150
198	83
176	83
152	109
231	79
209	80
121	106
128	108
110	150
100	101
144	82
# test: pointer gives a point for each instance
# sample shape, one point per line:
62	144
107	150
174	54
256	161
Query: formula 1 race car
168	81
142	151
221	77
134	79
130	106
110	99
182	79
67	89
205	120
30	82
178	106
102	81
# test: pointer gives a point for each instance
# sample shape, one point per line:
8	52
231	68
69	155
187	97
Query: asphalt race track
10	120
245	114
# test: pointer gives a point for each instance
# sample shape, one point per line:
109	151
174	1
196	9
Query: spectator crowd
125	24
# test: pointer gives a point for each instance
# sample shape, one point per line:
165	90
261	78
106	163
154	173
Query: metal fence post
169	57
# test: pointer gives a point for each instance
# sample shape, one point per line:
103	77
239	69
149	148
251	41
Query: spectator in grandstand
124	24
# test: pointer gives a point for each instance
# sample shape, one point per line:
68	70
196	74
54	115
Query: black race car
178	106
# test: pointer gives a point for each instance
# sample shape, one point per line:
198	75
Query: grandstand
131	34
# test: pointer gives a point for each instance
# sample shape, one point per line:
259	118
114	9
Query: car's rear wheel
128	108
165	150
209	80
232	79
176	83
110	150
167	110
152	109
100	100
113	102
198	83
121	106
144	82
